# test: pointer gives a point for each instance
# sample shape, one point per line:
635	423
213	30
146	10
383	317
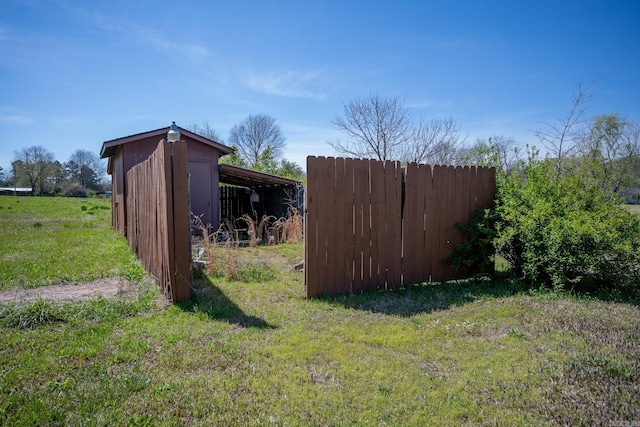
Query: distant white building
18	191
631	195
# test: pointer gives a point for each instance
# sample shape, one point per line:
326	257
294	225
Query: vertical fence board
394	179
455	196
407	220
324	222
420	225
439	211
359	178
341	228
335	241
414	223
366	228
448	223
311	258
349	223
376	176
429	224
465	214
181	219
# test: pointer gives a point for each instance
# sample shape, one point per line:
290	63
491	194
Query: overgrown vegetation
559	221
557	231
220	250
565	232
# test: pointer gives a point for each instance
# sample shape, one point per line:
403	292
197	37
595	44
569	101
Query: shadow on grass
429	297
210	300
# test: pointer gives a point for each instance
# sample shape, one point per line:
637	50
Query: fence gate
158	218
375	225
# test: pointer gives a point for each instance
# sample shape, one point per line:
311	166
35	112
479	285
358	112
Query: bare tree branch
376	127
559	138
435	142
254	135
206	130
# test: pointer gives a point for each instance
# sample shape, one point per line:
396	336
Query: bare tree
559	138
34	163
254	135
206	130
434	142
86	167
377	128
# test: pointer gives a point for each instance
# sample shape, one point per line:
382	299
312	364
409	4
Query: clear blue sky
76	73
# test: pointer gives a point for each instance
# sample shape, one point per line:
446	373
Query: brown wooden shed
207	199
202	163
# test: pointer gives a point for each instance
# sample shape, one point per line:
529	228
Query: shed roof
109	148
250	178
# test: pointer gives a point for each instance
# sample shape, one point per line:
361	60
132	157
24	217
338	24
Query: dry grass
288	229
220	250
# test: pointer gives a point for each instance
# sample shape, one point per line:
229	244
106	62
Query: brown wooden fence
375	225
158	218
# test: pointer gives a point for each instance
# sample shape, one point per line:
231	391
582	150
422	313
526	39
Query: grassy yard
59	240
255	352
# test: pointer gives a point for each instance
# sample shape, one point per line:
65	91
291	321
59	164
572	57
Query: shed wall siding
202	165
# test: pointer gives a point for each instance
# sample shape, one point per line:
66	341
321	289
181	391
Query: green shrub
563	231
478	252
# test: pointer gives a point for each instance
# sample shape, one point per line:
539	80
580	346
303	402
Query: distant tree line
35	167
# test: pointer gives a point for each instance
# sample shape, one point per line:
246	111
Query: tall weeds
288	229
220	250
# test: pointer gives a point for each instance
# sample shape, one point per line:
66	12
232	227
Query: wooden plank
407	272
397	194
378	264
325	218
367	227
165	203
332	236
439	191
349	225
382	254
459	217
412	232
311	261
467	213
422	273
473	179
360	187
182	239
430	209
449	225
387	246
336	238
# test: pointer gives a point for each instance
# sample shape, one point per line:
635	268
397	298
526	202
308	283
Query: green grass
634	208
46	240
256	352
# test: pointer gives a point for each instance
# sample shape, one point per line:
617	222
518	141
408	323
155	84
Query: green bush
563	231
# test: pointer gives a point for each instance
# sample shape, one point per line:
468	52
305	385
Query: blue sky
76	73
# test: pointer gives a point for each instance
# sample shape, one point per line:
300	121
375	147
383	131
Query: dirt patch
108	288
